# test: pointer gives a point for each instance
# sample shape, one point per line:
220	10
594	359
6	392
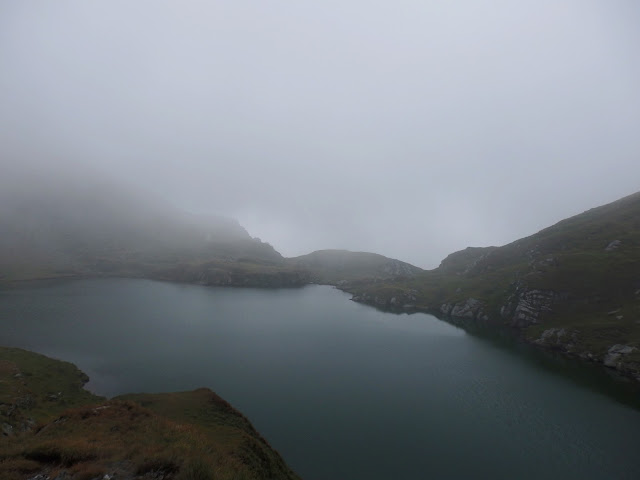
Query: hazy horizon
412	130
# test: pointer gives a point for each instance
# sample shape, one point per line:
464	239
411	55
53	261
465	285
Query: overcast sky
410	128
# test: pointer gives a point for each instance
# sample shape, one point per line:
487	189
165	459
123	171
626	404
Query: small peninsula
54	429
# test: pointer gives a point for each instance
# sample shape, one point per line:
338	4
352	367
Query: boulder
613	245
615	354
467	309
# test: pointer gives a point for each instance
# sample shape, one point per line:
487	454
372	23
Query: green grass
569	259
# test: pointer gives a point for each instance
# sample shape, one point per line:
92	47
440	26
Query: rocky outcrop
396	268
563	340
613	246
399	300
471	308
527	306
616	355
551	336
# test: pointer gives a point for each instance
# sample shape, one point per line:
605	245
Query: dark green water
341	390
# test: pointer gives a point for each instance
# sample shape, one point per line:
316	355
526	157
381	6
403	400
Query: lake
341	390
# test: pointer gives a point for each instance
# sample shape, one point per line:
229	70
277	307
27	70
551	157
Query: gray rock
551	336
611	360
613	245
7	429
467	309
530	305
623	349
397	268
551	332
446	308
615	354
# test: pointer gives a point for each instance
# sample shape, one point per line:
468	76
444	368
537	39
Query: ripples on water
341	390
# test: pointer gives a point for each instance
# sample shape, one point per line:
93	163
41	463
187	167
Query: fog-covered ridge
70	223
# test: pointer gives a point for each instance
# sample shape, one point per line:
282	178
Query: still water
341	390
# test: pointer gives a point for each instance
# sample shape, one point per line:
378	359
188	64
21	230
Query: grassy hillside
574	286
51	425
341	267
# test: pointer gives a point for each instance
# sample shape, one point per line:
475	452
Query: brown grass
182	436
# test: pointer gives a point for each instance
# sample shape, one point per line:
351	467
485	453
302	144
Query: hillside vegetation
53	427
574	286
340	267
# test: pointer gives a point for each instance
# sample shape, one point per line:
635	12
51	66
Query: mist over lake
341	390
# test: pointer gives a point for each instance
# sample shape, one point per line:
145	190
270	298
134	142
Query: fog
408	128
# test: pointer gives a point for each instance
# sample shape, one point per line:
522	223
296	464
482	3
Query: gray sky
408	128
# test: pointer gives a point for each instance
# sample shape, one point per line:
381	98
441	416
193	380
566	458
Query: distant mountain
93	227
84	226
574	286
341	267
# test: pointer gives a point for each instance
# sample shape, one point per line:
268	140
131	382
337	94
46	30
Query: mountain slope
574	286
341	267
93	227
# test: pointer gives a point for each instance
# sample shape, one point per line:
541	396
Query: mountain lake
341	390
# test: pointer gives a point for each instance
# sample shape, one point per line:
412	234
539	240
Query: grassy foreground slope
572	287
50	425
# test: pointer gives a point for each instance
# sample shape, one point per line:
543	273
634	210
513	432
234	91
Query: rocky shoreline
521	311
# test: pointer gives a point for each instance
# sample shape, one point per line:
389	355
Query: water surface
341	390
